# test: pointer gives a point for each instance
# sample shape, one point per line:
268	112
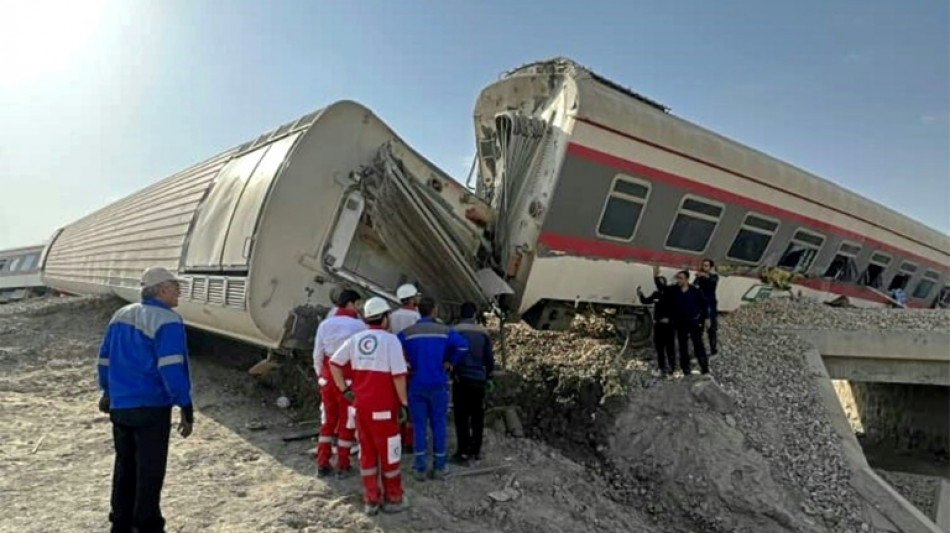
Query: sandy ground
56	455
675	460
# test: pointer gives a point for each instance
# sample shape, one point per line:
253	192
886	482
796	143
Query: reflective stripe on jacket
143	359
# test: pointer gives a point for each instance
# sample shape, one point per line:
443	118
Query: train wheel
634	328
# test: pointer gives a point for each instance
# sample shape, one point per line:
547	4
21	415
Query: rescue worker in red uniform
337	416
379	394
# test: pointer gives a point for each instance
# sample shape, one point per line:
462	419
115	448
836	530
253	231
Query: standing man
408	314
689	316
432	349
379	393
399	320
337	416
473	378
143	372
663	332
707	280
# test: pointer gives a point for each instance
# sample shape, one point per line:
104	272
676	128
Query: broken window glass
842	268
900	281
873	276
801	252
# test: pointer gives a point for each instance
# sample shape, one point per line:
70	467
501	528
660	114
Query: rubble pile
567	386
805	313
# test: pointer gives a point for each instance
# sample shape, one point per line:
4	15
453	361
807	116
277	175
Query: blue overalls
429	345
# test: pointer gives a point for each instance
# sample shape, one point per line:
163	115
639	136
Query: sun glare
41	37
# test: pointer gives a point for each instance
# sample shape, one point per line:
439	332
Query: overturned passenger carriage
266	233
591	184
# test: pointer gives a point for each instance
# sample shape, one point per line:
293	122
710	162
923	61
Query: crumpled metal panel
414	235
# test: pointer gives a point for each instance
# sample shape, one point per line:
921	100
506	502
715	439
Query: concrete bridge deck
875	356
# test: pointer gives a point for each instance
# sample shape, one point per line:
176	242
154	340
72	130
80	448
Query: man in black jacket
690	314
707	281
663	333
472	379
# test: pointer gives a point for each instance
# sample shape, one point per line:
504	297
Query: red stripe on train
714	193
607	250
750	178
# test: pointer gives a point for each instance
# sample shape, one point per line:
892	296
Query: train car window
3	263
874	275
844	266
801	251
753	239
28	262
624	207
926	285
902	279
695	222
943	300
14	264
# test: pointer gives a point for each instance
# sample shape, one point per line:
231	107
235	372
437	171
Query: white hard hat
374	307
156	275
406	291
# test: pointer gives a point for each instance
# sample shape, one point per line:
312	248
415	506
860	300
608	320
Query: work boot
324	471
344	473
396	507
371	509
437	475
418	475
459	459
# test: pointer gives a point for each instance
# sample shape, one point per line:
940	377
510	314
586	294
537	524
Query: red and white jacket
376	357
331	334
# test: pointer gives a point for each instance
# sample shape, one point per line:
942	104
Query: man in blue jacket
473	378
432	349
143	372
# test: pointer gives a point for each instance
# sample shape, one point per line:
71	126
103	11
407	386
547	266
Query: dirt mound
683	457
567	386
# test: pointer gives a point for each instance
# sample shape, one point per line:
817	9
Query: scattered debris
38	444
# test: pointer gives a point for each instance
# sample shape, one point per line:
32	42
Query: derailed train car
20	273
581	186
592	184
264	234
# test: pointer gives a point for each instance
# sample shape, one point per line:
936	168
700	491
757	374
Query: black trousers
713	330
468	397
663	341
686	333
141	438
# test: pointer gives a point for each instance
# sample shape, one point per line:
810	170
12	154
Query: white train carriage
20	273
592	184
265	234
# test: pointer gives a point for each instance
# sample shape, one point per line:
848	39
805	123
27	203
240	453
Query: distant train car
265	234
592	183
20	274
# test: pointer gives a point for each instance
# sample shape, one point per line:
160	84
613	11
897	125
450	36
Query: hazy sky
99	100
